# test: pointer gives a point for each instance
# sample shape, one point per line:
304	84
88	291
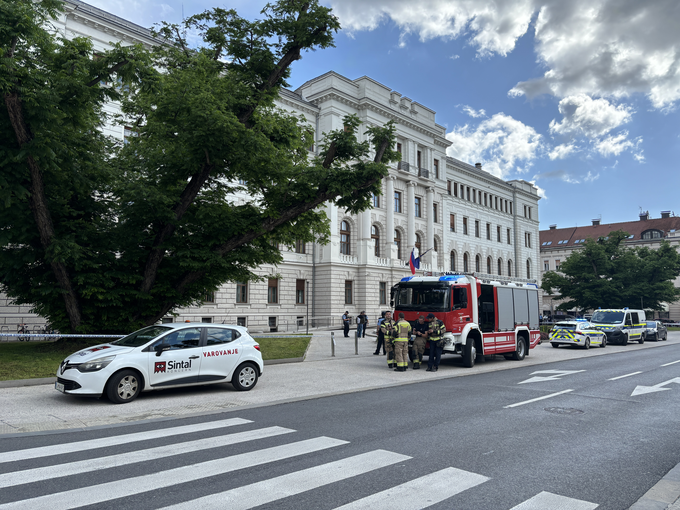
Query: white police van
621	325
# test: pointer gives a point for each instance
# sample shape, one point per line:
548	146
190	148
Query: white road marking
150	454
622	376
671	363
641	390
544	500
432	489
107	491
555	377
261	493
537	399
58	449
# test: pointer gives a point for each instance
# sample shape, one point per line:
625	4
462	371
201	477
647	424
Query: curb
664	495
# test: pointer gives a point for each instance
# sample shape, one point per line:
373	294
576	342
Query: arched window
434	246
500	267
509	267
652	234
488	265
397	243
375	235
528	269
344	238
466	264
418	243
478	263
453	261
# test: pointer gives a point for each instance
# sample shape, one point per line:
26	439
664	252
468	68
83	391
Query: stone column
365	252
390	250
411	218
430	228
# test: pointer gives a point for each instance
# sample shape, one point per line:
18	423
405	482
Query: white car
163	356
577	332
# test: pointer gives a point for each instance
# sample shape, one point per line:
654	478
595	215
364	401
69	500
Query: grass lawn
29	360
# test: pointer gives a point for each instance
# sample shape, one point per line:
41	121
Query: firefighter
387	328
403	334
420	330
435	334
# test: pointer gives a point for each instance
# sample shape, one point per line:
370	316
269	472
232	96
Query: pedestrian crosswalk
55	484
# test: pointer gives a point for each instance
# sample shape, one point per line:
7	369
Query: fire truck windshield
418	296
602	317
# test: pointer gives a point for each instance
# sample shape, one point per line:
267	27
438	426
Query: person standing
345	323
435	334
403	334
420	330
387	328
362	322
380	335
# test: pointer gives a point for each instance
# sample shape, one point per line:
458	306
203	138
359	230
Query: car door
220	353
175	358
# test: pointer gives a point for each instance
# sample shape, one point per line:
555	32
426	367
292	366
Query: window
416	209
243	182
272	324
546	265
129	132
241	292
397	201
498	234
488	231
527	239
166	320
465	226
397	243
488	265
399	148
376	200
300	292
478	263
652	234
383	293
529	212
435	214
344	238
528	269
506	206
348	292
474	195
241	321
509	267
375	235
209	297
500	267
216	336
496	200
273	291
525	211
508	231
557	265
455	189
436	168
452	260
452	222
466	264
274	244
299	246
419	158
434	245
448	187
476	228
418	243
510	207
468	193
484	199
182	339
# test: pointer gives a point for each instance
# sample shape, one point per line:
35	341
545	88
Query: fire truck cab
483	314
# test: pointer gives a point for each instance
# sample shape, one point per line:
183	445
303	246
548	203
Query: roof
574	236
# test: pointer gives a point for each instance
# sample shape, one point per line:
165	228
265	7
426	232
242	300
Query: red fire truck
483	314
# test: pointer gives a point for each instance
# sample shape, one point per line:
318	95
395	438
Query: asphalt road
607	432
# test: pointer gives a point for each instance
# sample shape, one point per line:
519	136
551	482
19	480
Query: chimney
478	165
553	227
665	214
596	222
644	215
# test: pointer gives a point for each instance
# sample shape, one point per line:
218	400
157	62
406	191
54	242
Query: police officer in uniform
403	329
435	333
387	328
420	330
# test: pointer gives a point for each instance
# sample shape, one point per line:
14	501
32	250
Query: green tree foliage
604	273
103	236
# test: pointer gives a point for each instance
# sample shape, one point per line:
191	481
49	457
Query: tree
604	273
106	236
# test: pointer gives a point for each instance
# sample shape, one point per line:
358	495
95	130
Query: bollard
356	343
332	344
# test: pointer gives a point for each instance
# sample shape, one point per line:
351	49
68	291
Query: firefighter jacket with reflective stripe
403	331
438	329
386	328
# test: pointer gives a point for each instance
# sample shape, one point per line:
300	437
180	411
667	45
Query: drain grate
563	410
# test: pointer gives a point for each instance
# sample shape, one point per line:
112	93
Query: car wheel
245	377
555	345
665	337
604	342
469	353
625	339
587	345
123	387
642	339
521	351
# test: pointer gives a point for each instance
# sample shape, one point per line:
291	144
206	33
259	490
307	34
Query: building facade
558	244
471	220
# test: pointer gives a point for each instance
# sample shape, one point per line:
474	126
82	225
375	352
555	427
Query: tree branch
111	71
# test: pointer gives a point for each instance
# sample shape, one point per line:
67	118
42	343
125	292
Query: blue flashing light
449	278
407	278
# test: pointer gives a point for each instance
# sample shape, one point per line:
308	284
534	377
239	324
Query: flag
414	262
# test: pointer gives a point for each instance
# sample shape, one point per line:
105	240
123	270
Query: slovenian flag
414	262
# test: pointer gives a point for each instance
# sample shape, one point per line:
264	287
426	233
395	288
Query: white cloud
590	177
613	145
474	113
541	191
562	151
639	156
558	174
583	115
454	57
502	144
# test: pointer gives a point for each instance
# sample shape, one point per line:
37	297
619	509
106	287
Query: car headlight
95	364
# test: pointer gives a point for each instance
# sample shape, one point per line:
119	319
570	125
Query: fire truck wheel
587	345
521	351
555	345
469	353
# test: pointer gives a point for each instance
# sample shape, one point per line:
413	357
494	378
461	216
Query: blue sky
579	97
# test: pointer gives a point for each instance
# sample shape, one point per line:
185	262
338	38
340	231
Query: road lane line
436	486
267	491
537	399
671	363
544	500
150	454
102	492
622	376
58	449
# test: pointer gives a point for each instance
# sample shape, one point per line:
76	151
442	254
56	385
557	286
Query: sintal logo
159	367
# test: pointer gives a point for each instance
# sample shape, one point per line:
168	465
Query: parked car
577	332
163	356
655	330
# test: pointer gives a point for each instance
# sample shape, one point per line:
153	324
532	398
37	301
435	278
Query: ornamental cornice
297	106
476	176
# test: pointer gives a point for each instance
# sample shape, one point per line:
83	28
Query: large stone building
558	243
472	220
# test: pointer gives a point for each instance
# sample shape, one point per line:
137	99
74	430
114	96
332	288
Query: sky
579	97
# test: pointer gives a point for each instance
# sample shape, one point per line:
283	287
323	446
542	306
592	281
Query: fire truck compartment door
506	317
533	309
521	306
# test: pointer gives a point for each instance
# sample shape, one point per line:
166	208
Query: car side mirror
160	348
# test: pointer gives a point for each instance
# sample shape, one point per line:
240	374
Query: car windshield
141	337
603	317
651	324
422	296
570	327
